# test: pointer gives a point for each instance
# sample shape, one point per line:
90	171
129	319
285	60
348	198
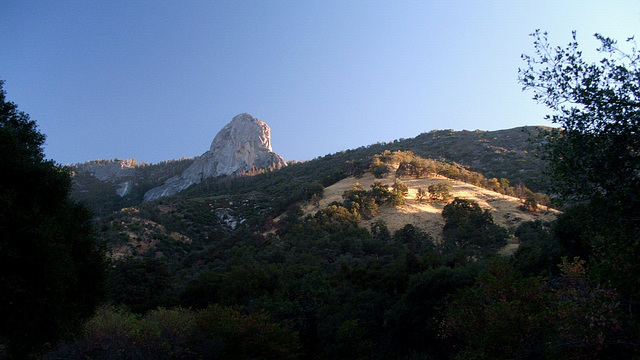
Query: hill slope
506	210
506	154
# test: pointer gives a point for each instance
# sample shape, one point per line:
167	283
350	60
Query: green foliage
505	315
530	201
539	251
500	317
417	167
380	193
416	240
51	267
380	231
244	283
378	168
366	203
593	158
359	201
213	333
471	229
413	321
239	336
595	154
574	232
203	290
398	193
439	191
141	285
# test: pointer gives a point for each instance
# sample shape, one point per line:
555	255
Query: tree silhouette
52	270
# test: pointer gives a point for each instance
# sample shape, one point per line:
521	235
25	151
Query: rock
242	145
124	188
119	172
228	218
108	170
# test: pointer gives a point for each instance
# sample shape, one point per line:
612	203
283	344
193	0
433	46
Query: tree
51	267
470	228
398	193
595	154
416	239
439	191
507	316
380	192
494	185
499	317
539	251
141	285
400	187
413	322
380	231
594	158
378	168
215	332
530	202
360	202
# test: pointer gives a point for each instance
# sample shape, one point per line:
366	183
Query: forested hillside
106	186
508	154
340	279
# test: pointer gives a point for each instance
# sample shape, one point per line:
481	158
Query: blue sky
156	80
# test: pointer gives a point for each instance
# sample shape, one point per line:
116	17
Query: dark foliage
539	252
593	159
505	315
141	285
469	228
51	267
213	333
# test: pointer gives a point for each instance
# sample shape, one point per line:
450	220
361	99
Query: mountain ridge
508	153
241	145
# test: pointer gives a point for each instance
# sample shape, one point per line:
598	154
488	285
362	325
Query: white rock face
241	145
118	172
109	170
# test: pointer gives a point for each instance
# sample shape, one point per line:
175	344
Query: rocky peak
243	127
108	170
241	145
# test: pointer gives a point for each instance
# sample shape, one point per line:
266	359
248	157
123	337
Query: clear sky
156	80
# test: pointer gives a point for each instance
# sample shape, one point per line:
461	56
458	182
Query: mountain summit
242	145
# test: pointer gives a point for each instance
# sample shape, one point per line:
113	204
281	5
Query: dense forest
232	268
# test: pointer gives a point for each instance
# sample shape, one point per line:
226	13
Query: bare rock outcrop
118	172
108	170
242	145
